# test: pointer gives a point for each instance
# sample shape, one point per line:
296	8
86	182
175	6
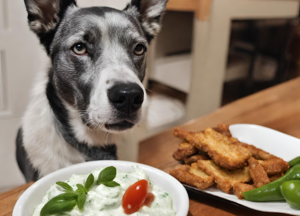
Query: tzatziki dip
103	200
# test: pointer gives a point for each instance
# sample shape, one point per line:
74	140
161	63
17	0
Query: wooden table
277	108
211	35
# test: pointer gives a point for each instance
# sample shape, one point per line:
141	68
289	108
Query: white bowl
34	194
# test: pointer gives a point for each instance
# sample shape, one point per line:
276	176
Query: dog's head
98	56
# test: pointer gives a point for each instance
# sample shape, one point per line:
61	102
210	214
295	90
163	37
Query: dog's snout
126	97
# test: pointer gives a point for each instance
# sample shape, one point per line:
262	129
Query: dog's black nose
126	97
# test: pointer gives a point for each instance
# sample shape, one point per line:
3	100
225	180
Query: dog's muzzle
127	99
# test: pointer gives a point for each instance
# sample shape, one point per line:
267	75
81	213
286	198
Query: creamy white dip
107	201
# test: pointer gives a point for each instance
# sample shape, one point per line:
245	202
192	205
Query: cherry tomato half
149	199
135	196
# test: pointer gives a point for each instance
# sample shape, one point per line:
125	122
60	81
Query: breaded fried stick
275	166
184	150
257	153
224	178
240	188
258	174
192	176
275	177
195	158
219	147
223	129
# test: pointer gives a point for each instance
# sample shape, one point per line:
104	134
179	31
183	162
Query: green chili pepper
295	161
271	191
290	190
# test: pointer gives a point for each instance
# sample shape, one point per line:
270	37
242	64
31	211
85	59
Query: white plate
277	143
34	194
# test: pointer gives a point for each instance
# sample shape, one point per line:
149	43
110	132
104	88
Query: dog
93	86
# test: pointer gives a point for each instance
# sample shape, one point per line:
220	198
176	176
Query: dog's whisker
96	126
149	90
89	121
99	126
107	134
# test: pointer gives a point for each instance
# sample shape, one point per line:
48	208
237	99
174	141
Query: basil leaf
81	189
111	184
65	186
80	186
58	207
81	201
59	204
107	175
89	182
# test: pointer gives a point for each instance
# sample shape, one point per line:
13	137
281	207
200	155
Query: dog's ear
44	16
149	13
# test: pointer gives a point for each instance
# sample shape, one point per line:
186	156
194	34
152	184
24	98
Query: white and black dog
94	85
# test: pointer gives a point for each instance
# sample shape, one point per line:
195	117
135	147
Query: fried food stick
258	174
223	129
240	188
192	176
219	147
275	166
195	158
224	178
257	153
275	177
184	150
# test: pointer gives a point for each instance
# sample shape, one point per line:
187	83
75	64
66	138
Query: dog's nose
126	97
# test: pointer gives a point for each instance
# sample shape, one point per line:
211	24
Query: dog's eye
79	49
139	50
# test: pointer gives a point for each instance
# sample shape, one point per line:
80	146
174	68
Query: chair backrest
119	4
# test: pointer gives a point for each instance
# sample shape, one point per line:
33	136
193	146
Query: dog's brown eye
139	50
79	49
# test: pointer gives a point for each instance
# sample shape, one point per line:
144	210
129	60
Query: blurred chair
270	40
210	42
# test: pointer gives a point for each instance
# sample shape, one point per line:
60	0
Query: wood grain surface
200	7
277	108
182	5
9	199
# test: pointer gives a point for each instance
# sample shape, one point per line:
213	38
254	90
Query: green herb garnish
89	182
67	201
81	189
111	184
65	186
61	203
81	200
107	176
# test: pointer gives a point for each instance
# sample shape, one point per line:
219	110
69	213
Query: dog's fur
70	114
